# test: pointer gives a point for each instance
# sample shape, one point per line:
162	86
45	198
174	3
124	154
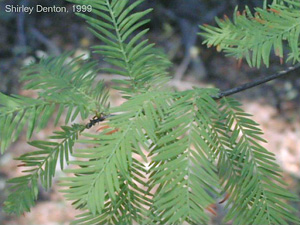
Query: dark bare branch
257	82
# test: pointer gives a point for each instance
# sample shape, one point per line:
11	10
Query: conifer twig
228	92
257	82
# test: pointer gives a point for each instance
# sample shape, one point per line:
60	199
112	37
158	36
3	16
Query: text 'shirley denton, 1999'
37	8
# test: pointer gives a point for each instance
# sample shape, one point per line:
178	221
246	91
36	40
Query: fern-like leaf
64	85
68	82
183	169
133	58
254	36
17	111
257	192
41	166
109	177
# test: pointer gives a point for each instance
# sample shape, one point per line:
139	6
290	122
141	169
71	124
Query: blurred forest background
25	38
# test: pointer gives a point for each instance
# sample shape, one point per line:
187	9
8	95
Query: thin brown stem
257	82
